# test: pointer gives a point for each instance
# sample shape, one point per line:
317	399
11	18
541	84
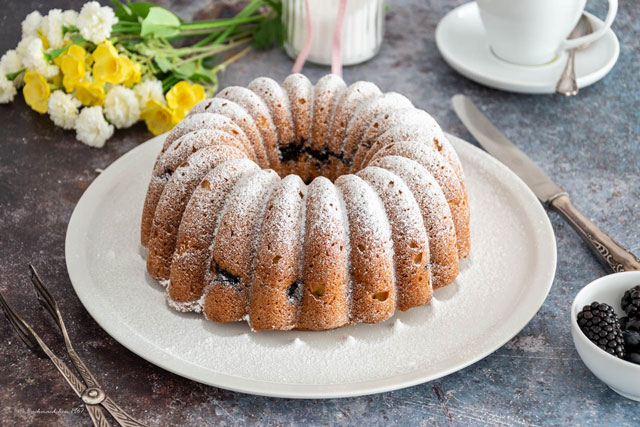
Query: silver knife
613	255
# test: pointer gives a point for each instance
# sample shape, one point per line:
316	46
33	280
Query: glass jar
362	29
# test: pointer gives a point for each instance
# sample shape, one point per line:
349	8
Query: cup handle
590	38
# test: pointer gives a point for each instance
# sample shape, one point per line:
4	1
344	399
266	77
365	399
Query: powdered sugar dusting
363	118
240	117
276	99
197	122
436	214
259	111
327	92
351	100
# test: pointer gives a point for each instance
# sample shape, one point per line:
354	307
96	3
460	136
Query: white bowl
623	377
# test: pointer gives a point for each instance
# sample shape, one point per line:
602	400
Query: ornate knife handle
611	253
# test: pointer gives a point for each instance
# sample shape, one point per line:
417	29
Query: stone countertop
588	144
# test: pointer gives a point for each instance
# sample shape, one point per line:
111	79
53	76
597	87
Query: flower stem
218	23
224	64
214	50
247	11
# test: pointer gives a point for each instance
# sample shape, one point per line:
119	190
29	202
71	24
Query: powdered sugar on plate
500	287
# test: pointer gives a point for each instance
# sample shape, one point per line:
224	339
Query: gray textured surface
589	144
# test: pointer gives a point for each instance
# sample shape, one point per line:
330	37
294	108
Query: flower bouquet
104	68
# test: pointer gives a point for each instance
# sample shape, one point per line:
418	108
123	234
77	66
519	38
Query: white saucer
463	44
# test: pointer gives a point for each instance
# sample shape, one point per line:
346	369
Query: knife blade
492	140
611	253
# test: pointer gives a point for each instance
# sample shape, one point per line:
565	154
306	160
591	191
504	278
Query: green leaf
185	70
141	9
69	29
123	12
269	32
57	52
77	39
209	77
163	63
276	5
132	12
12	76
160	22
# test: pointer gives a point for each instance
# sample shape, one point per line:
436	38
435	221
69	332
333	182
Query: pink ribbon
336	55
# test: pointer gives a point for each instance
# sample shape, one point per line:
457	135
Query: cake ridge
190	272
258	110
411	241
239	116
372	289
234	244
435	213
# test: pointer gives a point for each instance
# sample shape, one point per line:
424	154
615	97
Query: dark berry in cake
600	324
631	302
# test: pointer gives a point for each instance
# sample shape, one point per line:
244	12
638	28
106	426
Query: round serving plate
510	269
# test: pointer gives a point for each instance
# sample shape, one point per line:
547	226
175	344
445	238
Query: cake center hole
300	158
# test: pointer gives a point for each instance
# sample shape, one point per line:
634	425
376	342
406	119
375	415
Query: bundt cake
305	207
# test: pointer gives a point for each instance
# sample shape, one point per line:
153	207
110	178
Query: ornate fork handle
34	342
99	397
611	253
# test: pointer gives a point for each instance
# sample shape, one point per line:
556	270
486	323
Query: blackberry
631	302
624	321
633	325
600	324
634	358
631	341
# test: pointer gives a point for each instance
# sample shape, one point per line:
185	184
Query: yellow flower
108	66
157	117
182	97
135	72
72	65
56	81
58	60
36	91
45	41
178	114
90	94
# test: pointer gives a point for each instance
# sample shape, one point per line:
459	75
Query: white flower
95	22
10	62
52	28
33	58
31	24
92	128
63	109
21	49
7	90
148	90
69	18
121	107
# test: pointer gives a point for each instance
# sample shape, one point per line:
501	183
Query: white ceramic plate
463	44
500	288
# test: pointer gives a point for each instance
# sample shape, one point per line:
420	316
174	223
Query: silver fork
91	394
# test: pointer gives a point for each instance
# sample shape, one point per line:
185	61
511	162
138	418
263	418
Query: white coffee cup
533	32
